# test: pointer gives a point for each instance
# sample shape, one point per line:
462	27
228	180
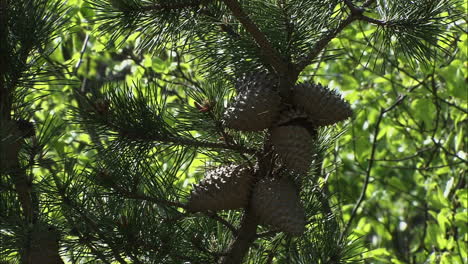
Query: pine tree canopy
233	131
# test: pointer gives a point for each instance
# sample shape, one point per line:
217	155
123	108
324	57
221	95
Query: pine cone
256	107
291	114
294	146
257	79
223	188
323	106
276	202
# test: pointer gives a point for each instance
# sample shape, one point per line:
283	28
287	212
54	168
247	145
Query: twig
424	168
367	179
417	154
82	52
459	108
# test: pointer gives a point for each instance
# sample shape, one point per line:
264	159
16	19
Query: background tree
111	109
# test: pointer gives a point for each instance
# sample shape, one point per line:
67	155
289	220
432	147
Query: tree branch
175	140
202	144
356	14
13	141
246	236
269	53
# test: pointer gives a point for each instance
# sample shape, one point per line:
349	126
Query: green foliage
139	119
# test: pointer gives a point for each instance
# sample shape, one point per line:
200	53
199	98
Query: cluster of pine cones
258	106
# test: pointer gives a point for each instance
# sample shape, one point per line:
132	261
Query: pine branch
132	6
175	6
269	53
181	141
417	30
89	222
356	14
84	237
196	143
246	236
225	27
142	120
156	200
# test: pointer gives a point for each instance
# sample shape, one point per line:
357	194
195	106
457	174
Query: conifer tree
248	123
